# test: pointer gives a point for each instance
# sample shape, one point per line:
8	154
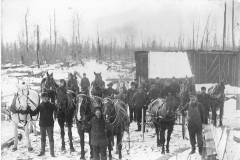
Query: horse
49	85
66	105
217	98
23	99
98	85
163	113
115	111
84	109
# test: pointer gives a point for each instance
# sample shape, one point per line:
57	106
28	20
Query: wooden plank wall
213	66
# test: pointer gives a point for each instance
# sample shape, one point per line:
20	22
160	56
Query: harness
20	108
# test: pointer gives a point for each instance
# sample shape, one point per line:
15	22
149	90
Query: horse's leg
70	137
27	136
214	119
61	124
110	147
157	132
169	137
162	137
34	128
119	144
15	126
81	135
221	114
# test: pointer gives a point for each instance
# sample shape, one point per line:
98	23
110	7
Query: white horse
25	97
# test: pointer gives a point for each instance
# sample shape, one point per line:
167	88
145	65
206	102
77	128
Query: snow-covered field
139	148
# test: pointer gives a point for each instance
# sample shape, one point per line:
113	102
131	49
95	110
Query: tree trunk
224	28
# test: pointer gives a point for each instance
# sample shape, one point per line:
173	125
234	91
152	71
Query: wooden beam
210	144
238	82
213	71
215	77
212	63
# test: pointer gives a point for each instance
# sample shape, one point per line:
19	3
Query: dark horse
163	112
65	113
84	109
98	85
116	113
49	85
217	98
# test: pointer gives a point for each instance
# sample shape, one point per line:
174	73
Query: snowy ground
139	149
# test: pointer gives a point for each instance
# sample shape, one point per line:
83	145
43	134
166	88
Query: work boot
200	150
52	149
139	128
193	150
42	152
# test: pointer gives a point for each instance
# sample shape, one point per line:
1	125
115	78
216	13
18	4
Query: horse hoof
167	151
163	152
14	149
30	149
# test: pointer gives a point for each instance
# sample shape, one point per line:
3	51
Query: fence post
143	123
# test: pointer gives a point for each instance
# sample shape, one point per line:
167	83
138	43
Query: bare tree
233	38
198	32
206	27
193	38
26	27
55	33
224	27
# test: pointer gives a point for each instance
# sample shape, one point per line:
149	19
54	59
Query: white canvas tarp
168	64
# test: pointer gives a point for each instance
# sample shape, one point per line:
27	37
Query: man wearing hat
204	99
110	91
130	94
99	139
154	92
195	122
159	85
136	83
175	86
144	85
85	84
46	122
167	89
140	101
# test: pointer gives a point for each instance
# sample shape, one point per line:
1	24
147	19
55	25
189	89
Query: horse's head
62	97
98	77
171	105
49	83
107	108
84	107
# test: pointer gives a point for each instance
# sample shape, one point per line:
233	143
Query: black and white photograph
120	79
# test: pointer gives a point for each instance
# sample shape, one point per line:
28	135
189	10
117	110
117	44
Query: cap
84	73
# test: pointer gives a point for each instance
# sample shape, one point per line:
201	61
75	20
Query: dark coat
85	82
98	131
154	94
46	110
195	113
130	94
145	87
140	100
159	86
204	99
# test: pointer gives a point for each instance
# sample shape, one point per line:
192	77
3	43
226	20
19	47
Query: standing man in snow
70	82
144	85
121	96
175	86
130	94
109	92
154	92
195	122
140	101
167	89
204	99
85	84
159	85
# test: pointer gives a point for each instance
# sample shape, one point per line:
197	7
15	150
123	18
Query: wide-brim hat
44	94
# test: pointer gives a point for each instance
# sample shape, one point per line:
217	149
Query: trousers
103	152
49	131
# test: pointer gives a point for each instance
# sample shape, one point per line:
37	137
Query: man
159	85
70	85
154	92
85	84
195	122
46	123
130	94
121	96
175	85
99	139
144	85
140	101
136	83
167	89
109	92
204	99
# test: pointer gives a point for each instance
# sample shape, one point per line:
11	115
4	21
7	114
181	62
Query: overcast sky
117	18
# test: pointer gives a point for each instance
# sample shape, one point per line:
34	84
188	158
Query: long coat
98	131
130	94
85	83
46	110
140	100
204	99
154	94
